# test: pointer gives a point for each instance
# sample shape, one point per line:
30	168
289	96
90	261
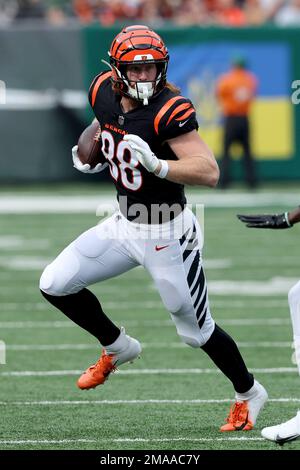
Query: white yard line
150	323
164	345
16	242
46	203
133	402
276	286
224	304
219	304
60	373
127	439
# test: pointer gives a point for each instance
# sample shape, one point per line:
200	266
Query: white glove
143	152
85	167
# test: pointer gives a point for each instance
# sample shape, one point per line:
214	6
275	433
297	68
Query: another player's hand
273	221
143	152
85	167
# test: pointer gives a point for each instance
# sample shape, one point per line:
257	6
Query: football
89	145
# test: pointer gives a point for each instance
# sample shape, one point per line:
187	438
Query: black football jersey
167	115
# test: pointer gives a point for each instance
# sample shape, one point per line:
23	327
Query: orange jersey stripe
187	114
97	85
163	111
181	107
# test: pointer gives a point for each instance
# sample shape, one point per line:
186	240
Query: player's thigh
178	273
97	254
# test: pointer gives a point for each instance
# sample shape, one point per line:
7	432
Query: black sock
84	309
225	354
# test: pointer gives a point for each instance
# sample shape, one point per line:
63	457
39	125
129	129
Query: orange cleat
124	349
238	418
98	373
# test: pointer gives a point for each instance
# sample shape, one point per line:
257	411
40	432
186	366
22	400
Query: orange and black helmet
138	44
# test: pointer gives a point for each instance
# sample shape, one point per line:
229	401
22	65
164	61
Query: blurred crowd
231	13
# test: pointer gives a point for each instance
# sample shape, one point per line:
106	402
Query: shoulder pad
177	116
96	83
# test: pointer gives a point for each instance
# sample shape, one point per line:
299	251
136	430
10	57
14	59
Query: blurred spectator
254	12
30	9
289	14
149	11
8	11
191	12
235	91
229	13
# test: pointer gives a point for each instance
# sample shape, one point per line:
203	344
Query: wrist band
286	216
164	169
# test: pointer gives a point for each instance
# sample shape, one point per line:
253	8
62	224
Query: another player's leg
179	276
89	259
284	432
294	304
289	430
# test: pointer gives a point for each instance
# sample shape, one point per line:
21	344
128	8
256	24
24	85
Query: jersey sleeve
96	85
176	117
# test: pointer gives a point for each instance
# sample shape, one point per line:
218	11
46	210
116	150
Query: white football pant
171	253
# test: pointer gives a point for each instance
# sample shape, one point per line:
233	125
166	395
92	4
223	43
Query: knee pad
199	338
170	296
192	335
59	277
191	341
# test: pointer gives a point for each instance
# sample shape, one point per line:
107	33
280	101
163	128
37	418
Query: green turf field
172	397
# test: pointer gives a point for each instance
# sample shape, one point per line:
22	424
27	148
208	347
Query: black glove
266	220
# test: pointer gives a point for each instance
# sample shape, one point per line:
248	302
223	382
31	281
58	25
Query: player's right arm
294	216
196	163
272	221
176	125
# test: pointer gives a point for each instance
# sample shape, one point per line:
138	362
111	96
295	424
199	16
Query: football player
150	141
289	430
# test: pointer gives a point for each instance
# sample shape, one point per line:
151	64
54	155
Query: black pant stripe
183	238
193	269
202	304
199	297
192	237
200	282
202	319
186	254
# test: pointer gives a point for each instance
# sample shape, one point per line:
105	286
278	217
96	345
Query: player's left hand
274	221
143	152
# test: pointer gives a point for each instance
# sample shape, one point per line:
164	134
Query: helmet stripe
163	111
97	85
